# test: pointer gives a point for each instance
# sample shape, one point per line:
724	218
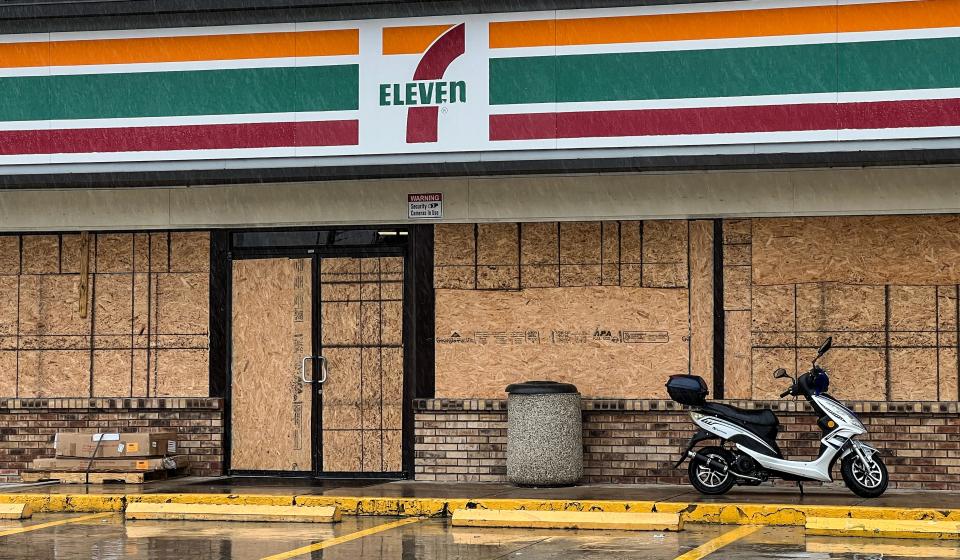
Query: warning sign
425	205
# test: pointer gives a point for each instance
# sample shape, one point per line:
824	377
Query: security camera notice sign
424	206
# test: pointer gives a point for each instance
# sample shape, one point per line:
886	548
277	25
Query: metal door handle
323	369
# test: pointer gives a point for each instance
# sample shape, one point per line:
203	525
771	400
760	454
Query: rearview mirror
823	349
780	372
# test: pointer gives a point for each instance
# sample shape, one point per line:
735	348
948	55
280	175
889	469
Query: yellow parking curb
231	512
525	519
690	512
889	528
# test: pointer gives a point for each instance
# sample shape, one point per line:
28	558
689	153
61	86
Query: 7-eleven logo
439	45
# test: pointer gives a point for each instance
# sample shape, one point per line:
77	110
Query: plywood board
342	387
455	277
498	244
857	249
947	308
737	360
114	252
580	243
48	305
840	307
773	308
270	411
665	241
8	373
71	253
540	276
182	373
372	458
913	374
341	323
112	371
609	341
855	373
189	251
539	243
610	253
54	373
498	277
9	301
737	255
183	303
113	303
392	450
736	288
579	275
454	244
913	308
948	374
630	242
41	254
342	451
738	231
665	275
9	254
765	362
701	299
160	252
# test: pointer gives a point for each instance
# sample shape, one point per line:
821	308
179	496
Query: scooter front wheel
866	481
706	479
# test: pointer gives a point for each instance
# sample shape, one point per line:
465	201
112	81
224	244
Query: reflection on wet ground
430	539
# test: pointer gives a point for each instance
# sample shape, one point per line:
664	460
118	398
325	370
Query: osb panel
182	373
184	303
829	307
913	374
737	358
160	252
41	254
370	323
665	275
393	416
580	243
737	231
392	450
765	362
114	252
340	323
342	451
665	241
111	373
857	249
630	242
49	305
913	308
8	305
391	264
54	373
391	361
454	244
579	275
540	276
144	313
606	340
947	307
454	277
736	255
498	244
773	308
498	277
9	254
610	253
141	252
270	412
631	275
392	323
349	291
113	299
71	251
8	373
343	377
539	243
341	416
372	452
855	373
141	373
736	287
701	300
948	374
189	251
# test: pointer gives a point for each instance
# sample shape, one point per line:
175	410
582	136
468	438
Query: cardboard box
107	465
118	445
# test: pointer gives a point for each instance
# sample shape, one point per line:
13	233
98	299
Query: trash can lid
540	388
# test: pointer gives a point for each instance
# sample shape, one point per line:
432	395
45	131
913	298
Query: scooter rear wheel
707	480
863	480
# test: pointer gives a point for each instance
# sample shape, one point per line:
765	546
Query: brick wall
637	442
28	426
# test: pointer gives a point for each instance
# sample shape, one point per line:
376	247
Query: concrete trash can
544	434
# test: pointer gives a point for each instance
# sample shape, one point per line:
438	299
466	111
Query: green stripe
873	66
158	94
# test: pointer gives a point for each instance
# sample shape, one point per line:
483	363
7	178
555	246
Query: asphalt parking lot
108	536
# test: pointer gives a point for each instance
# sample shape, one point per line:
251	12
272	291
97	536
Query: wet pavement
107	536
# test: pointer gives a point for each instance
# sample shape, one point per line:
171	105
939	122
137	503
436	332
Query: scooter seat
763	418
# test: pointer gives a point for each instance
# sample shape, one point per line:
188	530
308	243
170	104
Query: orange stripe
180	49
411	40
718	25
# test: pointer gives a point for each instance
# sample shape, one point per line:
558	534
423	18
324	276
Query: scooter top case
763	423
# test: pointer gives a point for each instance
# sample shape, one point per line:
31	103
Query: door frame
418	313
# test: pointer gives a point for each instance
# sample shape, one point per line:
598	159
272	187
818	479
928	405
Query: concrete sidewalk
764	505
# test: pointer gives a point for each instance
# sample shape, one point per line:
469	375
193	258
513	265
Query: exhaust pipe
709	461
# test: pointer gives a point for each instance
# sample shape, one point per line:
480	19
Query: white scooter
748	453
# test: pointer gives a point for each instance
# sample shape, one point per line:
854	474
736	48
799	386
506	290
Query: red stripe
727	120
422	122
187	137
